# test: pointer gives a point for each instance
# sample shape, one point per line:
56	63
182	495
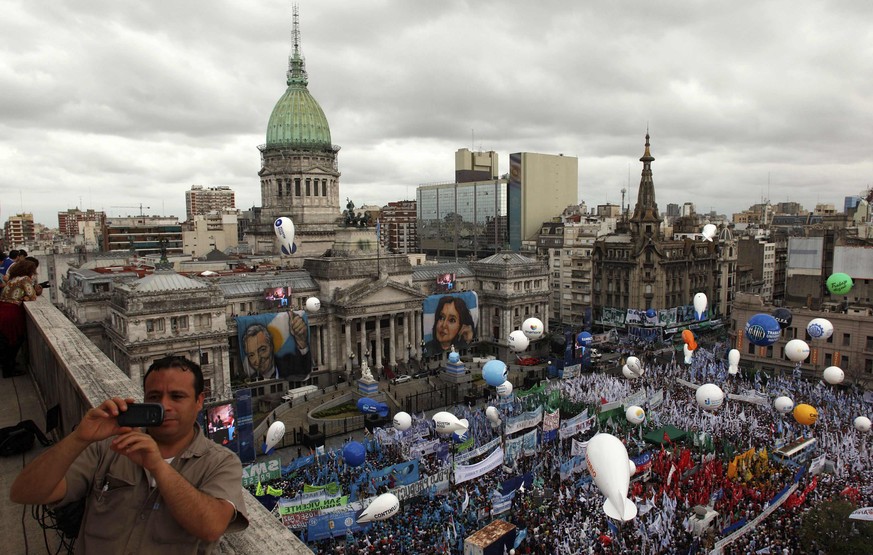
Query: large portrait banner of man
450	321
275	346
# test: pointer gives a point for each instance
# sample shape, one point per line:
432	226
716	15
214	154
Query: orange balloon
805	414
688	337
692	346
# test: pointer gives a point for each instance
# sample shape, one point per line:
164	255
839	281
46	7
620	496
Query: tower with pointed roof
638	268
299	173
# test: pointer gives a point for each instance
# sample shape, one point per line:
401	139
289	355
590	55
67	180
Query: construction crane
141	207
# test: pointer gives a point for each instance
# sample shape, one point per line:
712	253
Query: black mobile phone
45	284
139	415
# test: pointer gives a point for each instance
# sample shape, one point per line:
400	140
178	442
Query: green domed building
299	175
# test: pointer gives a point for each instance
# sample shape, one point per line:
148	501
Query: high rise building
68	222
143	235
398	227
18	230
201	201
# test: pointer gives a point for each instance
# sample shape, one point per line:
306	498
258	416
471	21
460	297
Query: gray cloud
110	104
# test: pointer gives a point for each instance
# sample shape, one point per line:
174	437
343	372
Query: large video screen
277	297
274	346
450	320
221	425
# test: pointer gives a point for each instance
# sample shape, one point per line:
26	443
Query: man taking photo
164	490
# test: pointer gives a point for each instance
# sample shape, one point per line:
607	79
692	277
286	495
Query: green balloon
839	283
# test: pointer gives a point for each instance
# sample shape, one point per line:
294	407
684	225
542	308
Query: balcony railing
71	372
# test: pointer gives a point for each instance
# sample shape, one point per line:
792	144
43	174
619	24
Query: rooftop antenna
472	139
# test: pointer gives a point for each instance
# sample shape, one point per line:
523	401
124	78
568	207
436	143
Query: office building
200	200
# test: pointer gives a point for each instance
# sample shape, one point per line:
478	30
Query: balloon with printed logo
651	313
862	424
275	433
518	341
584	339
839	283
709	396
783	317
709	231
383	507
797	350
284	229
533	328
402	421
700	303
833	375
494	372
505	389
733	362
805	414
762	330
820	329
446	422
783	404
354	454
313	305
635	415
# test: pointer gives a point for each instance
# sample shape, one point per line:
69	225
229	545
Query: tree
828	527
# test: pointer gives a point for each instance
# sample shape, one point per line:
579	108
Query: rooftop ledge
70	371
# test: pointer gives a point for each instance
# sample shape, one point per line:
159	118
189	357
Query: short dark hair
22	252
13	253
180	363
33	259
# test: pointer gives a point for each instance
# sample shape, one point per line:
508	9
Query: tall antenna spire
296	63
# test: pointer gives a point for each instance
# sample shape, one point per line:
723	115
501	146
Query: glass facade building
463	219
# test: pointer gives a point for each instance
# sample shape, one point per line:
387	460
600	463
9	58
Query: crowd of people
566	516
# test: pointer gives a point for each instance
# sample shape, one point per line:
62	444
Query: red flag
667	438
603	400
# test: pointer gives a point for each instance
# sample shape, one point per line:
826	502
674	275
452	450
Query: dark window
204	357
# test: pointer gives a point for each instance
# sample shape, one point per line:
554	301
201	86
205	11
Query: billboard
274	346
450	320
445	282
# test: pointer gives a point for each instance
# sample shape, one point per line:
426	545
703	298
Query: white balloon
709	396
626	372
505	389
734	357
447	423
492	414
275	433
634	414
709	231
733	370
532	328
518	341
284	229
632	467
609	465
862	424
797	350
820	329
689	354
700	303
783	404
833	375
313	304
402	421
384	506
634	365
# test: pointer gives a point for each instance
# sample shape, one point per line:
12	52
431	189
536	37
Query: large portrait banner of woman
450	321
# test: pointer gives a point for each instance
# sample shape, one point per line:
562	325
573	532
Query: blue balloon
584	338
763	330
650	313
354	454
367	405
454	357
494	372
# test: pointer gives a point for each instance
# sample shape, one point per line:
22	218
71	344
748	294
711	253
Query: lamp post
351	367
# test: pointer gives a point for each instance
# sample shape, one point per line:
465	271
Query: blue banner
331	525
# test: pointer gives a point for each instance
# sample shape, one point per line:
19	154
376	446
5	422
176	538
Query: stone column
378	352
348	345
392	360
362	340
333	342
407	322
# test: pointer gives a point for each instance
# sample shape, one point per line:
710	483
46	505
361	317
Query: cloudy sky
109	105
